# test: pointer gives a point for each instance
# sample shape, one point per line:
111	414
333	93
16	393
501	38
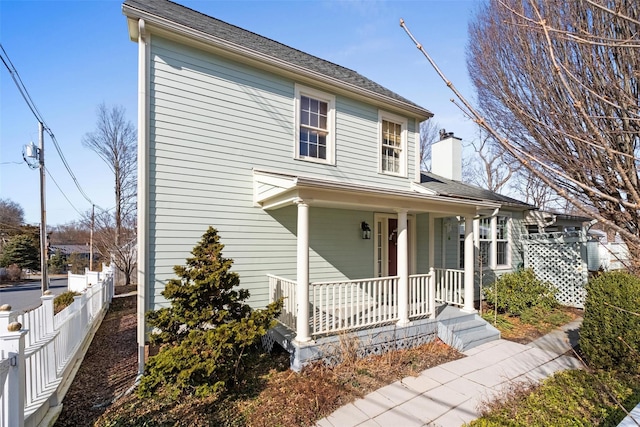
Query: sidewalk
449	394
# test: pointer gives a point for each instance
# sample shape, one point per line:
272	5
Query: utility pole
93	216
43	213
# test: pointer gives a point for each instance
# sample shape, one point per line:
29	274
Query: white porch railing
422	300
354	304
449	286
39	350
284	288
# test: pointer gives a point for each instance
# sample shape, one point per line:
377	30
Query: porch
343	306
369	314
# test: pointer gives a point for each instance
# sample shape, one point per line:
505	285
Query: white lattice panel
560	263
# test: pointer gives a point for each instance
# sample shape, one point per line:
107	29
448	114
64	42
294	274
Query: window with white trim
502	241
393	144
315	125
492	240
484	241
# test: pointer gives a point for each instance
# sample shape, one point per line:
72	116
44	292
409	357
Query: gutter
143	185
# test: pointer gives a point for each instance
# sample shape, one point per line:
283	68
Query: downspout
143	186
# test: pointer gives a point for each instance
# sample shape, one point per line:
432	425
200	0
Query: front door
386	235
393	247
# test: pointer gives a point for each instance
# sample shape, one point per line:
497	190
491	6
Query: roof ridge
254	42
261	36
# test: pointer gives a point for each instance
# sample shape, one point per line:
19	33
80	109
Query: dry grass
273	395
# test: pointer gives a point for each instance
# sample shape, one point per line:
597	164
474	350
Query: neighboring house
82	252
310	173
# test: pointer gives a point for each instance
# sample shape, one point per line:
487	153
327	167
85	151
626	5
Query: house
310	172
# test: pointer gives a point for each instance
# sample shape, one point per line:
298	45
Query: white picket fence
38	351
79	282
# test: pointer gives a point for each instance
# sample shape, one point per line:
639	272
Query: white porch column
431	241
302	325
468	265
403	268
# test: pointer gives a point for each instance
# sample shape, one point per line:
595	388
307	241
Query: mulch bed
109	368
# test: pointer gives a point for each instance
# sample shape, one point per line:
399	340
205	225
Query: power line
34	109
63	194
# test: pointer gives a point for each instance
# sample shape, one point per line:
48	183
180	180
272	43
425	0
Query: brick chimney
446	156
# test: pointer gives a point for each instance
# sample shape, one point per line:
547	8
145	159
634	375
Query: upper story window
315	125
393	144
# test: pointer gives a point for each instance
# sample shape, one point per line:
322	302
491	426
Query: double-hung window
315	125
492	240
393	144
484	241
502	241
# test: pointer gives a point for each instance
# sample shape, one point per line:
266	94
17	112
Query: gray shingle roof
211	26
446	187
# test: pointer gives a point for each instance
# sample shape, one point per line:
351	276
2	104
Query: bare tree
11	217
488	169
71	233
123	255
563	77
114	140
428	136
565	74
530	189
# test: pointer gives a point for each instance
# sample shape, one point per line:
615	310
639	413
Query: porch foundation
333	349
453	326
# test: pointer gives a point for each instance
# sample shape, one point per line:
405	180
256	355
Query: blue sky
74	55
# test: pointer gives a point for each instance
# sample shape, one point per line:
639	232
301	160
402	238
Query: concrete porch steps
464	331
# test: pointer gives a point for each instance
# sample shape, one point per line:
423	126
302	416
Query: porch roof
456	189
274	190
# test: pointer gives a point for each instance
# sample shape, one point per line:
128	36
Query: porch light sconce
366	230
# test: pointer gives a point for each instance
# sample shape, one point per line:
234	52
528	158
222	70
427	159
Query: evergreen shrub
63	301
519	291
208	330
610	332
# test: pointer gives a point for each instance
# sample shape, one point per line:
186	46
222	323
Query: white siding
211	122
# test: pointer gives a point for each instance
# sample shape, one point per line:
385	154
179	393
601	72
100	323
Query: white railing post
6	316
12	342
47	304
432	292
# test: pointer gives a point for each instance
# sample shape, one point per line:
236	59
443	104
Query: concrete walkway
449	394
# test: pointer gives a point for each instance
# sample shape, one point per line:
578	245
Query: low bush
63	301
609	335
517	292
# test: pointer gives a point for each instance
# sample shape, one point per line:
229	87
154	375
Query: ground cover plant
569	398
523	307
